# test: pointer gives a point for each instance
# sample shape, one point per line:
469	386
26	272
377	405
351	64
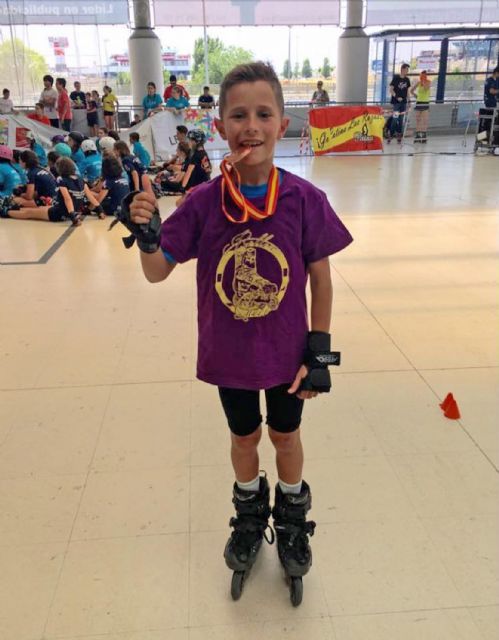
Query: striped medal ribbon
231	185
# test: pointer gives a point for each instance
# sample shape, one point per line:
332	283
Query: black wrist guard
318	357
147	235
98	209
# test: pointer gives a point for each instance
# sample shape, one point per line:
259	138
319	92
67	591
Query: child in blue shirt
177	102
92	163
139	150
17	166
9	177
37	148
137	176
114	186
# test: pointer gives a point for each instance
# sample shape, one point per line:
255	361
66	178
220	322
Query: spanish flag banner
340	129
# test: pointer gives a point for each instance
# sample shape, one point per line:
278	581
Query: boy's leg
289	456
40	213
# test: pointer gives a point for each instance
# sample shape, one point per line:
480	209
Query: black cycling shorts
242	409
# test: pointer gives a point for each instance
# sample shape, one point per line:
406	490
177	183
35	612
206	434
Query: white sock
290	488
253	485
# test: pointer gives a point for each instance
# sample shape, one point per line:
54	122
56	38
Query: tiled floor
115	479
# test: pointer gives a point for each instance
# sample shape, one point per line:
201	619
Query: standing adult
491	90
152	102
6	104
320	96
169	89
48	98
63	104
78	97
399	88
421	91
206	101
109	100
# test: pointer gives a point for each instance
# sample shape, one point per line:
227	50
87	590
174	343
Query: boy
139	150
399	87
258	232
38	115
206	100
135	170
91	167
196	168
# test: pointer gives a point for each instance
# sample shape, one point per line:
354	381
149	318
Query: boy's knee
247	443
284	442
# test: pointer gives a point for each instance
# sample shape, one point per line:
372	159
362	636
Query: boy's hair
61	81
39	104
251	72
114	135
206	88
65	167
121	147
405	66
48	78
184	148
30	159
52	157
151	84
173	78
6	91
182	129
105	129
111	167
134	136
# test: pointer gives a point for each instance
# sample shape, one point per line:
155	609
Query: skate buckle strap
252	525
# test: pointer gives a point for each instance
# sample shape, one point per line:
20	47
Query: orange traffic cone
452	410
447	400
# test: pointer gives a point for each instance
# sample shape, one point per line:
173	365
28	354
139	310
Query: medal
231	187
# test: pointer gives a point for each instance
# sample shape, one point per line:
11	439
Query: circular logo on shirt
252	295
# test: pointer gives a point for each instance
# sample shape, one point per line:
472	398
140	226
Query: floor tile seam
75	517
461	424
429	540
397	611
374	318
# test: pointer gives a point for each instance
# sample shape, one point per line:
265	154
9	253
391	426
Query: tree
286	72
306	69
296	71
21	68
325	71
221	59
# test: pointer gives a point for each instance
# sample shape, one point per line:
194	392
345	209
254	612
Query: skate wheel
237	584
296	591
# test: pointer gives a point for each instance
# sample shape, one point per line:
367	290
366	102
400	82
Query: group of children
81	176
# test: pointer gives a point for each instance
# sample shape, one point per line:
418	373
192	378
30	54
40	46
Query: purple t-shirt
251	279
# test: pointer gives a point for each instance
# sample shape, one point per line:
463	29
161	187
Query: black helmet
76	136
197	136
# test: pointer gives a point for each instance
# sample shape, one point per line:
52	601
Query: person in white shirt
6	104
48	98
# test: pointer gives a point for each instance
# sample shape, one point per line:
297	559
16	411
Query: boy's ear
284	127
220	128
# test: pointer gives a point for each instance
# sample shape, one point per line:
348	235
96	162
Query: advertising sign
346	129
64	12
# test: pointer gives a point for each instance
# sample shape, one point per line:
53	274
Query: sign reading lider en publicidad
64	11
342	129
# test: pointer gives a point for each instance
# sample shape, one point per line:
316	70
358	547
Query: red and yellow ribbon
231	186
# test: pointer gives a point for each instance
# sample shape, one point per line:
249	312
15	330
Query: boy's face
38	110
6	94
101	133
181	136
252	119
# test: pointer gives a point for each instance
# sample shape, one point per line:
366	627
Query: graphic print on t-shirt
252	295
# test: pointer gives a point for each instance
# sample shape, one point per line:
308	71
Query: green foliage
306	70
21	68
325	70
123	78
296	71
286	71
221	59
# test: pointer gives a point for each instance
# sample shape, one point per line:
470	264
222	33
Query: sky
267	43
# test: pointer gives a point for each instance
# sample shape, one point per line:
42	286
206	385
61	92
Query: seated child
91	166
196	169
68	201
37	148
16	163
183	152
40	186
139	150
114	186
74	140
39	114
52	158
137	176
9	177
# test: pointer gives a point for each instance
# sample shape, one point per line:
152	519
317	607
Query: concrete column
144	49
353	57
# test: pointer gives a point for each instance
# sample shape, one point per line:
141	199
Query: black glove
318	357
147	235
